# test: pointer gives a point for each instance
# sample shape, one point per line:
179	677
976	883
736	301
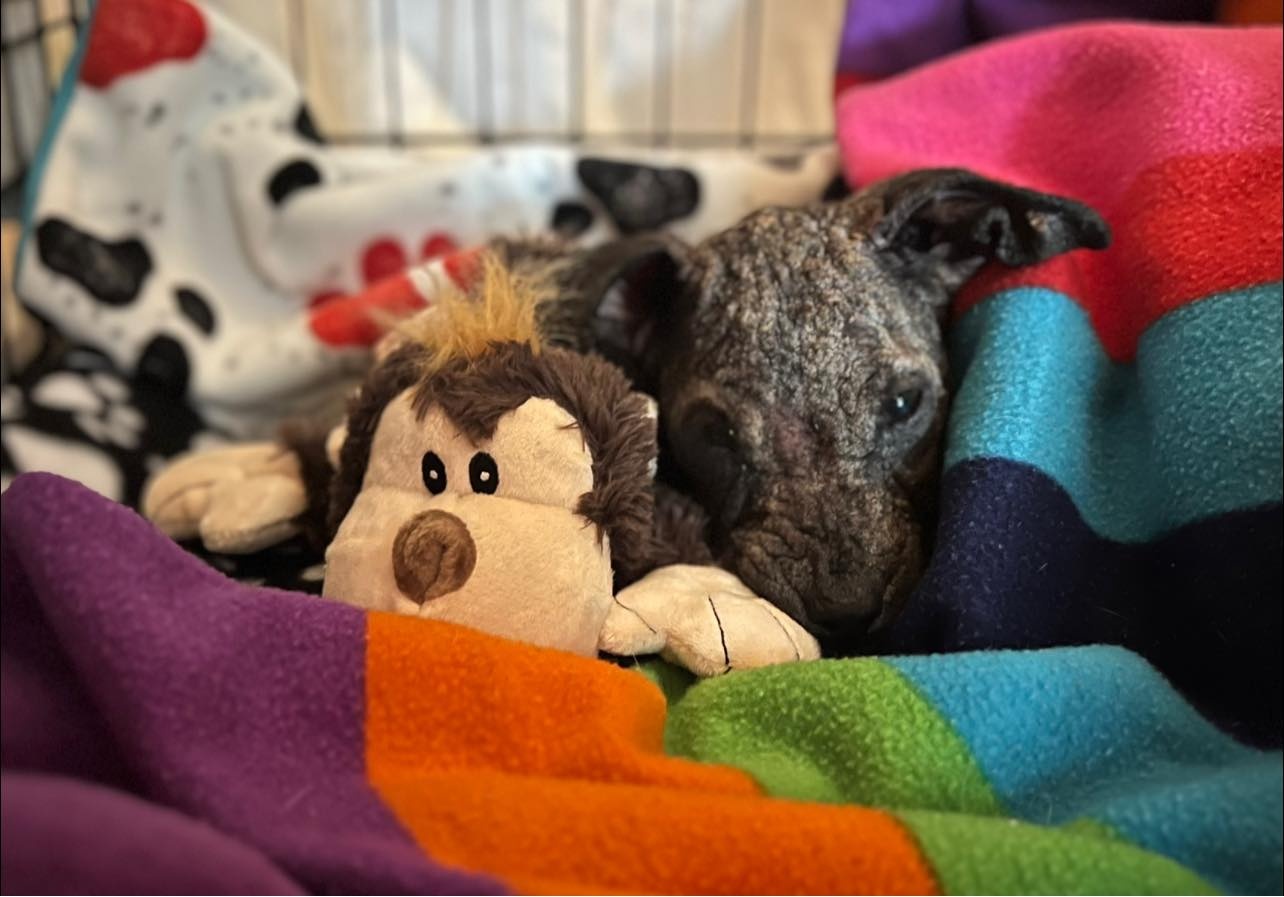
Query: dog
799	365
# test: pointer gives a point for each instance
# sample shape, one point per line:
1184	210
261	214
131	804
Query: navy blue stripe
1016	566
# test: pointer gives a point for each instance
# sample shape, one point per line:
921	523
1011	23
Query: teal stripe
1194	428
1095	732
58	111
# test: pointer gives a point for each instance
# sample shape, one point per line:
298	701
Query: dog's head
800	371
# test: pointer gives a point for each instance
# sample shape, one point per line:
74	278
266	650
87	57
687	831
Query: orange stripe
546	769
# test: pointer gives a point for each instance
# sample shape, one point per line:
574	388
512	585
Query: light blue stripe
1095	732
1194	428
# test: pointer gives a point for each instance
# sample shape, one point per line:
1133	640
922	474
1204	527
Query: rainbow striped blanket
165	729
1113	477
1113	464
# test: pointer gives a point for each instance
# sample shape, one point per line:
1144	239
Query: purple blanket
152	716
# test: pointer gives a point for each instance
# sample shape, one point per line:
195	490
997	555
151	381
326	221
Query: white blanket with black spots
190	238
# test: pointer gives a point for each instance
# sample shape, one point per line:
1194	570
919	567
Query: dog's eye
708	451
434	473
901	405
483	474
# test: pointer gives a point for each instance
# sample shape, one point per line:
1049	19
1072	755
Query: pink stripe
1081	109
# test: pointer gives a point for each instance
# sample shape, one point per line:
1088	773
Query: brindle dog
799	366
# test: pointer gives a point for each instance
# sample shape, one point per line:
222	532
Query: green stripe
836	731
975	855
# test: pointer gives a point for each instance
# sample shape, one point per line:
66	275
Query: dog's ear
944	224
628	292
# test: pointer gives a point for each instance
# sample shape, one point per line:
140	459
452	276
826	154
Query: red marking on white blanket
131	35
361	319
463	267
382	258
437	245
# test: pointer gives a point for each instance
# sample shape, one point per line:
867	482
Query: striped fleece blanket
1113	465
165	729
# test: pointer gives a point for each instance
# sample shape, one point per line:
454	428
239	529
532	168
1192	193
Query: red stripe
1187	228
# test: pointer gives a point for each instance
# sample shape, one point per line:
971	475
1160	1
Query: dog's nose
432	555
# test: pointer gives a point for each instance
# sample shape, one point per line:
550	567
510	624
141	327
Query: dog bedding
1114	454
248	739
190	237
1112	476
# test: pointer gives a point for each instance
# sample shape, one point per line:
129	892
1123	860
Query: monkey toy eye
434	473
483	474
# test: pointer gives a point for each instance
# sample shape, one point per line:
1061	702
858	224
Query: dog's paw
705	619
237	500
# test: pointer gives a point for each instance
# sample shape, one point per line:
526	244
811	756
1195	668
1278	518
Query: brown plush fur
612	419
307	441
401	370
451	364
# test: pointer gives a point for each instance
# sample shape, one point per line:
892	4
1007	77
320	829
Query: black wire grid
662	134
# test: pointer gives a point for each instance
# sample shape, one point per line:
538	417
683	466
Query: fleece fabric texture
1114	453
319	747
1083	746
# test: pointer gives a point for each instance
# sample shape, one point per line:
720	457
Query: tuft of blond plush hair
500	308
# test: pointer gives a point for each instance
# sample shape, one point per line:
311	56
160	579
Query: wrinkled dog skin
800	371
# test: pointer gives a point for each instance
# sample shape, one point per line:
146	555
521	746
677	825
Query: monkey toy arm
704	619
244	498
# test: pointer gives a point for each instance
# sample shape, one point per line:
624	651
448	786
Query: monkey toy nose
432	555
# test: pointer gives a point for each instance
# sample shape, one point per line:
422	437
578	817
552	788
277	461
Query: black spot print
570	219
133	207
164	367
154	114
292	176
194	307
110	272
247	93
640	197
305	127
447	189
837	189
217	97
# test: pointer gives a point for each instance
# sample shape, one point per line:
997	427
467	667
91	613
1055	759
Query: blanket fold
317	747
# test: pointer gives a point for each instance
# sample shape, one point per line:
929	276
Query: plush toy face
483	534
